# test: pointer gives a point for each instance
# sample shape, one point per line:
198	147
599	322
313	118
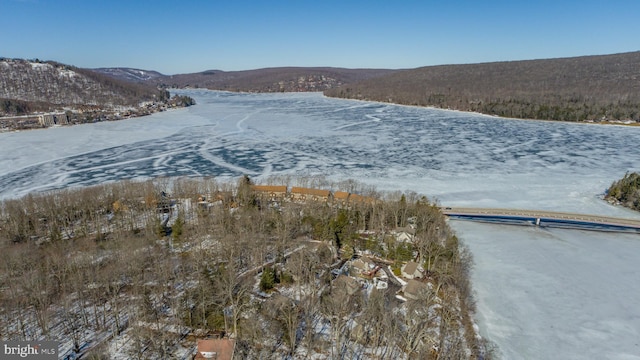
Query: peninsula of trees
626	191
594	88
145	269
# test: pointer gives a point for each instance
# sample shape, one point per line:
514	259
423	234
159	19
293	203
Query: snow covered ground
541	294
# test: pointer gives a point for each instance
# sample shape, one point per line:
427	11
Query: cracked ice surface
541	293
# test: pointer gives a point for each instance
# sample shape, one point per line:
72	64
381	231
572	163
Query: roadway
544	218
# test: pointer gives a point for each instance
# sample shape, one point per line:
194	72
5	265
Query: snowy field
541	294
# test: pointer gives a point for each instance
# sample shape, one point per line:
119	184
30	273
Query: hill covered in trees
74	95
604	87
282	79
142	270
130	74
59	85
626	191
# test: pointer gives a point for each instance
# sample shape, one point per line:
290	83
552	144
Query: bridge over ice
544	219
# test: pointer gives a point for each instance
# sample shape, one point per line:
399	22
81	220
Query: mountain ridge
64	85
35	94
130	74
583	88
596	87
272	79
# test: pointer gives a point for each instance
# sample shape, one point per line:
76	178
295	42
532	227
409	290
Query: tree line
593	88
281	79
158	262
626	191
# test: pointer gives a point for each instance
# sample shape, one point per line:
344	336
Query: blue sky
189	36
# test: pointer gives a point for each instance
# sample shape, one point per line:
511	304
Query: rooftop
218	349
308	191
269	188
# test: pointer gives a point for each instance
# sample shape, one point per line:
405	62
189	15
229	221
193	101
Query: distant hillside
605	87
36	94
129	74
284	79
51	85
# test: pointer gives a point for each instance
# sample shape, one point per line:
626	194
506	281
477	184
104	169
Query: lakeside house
404	234
355	198
412	270
215	349
341	197
359	266
303	194
413	289
306	194
273	192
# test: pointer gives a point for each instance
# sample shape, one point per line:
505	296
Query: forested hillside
141	270
605	87
36	82
284	79
626	191
36	94
129	74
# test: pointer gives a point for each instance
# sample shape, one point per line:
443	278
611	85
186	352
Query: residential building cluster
302	194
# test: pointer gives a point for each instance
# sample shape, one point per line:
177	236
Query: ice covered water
556	294
461	159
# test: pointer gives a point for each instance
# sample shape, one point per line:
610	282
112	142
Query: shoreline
11	130
586	122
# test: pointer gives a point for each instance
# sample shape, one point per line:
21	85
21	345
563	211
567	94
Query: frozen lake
541	294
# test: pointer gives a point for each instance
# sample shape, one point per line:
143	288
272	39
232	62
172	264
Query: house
341	197
164	203
215	349
273	192
359	199
412	270
404	234
206	202
47	120
413	289
359	266
306	194
218	196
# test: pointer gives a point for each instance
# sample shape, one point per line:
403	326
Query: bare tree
339	306
418	333
231	289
